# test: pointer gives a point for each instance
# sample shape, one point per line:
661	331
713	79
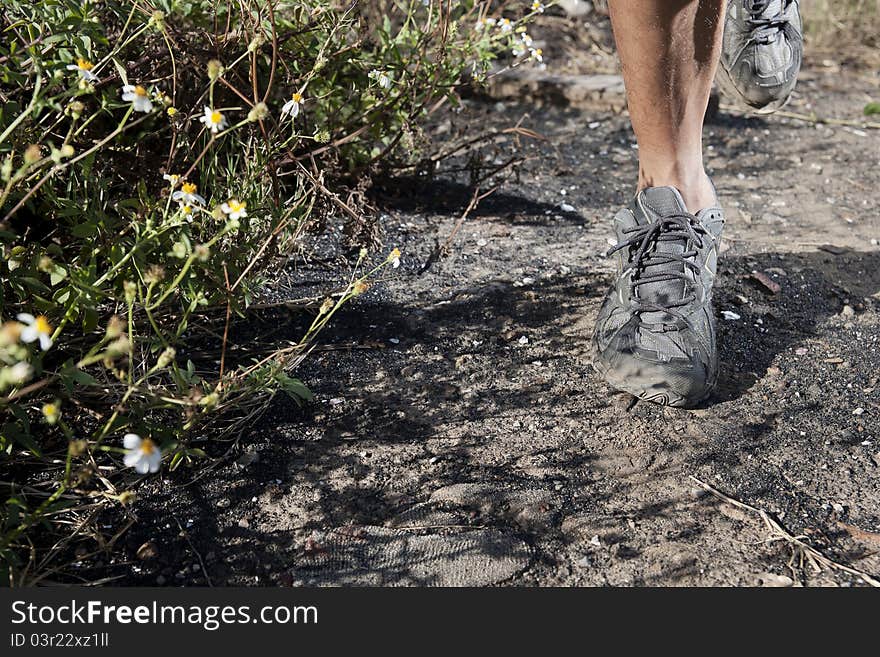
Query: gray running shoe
655	335
761	53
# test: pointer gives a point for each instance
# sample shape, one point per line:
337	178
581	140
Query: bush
157	157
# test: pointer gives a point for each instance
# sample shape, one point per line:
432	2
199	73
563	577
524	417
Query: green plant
155	158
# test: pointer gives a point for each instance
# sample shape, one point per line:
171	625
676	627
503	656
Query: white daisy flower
382	79
138	97
537	54
172	178
35	328
18	373
538	7
187	211
84	68
526	39
51	412
213	120
292	106
518	51
142	454
484	22
234	208
505	25
187	195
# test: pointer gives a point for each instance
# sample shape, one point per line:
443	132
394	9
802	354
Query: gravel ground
460	436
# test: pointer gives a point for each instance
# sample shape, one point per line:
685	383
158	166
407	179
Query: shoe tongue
770	8
662	202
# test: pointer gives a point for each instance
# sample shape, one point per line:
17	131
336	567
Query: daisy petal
29	334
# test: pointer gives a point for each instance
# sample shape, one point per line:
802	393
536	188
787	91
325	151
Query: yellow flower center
296	98
50	410
186	209
235	205
147	447
189	188
43	325
140	91
84	64
216	117
538	52
171	111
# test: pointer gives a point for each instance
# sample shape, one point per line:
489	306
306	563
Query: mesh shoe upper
655	334
762	50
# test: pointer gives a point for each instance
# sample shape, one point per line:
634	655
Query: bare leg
669	50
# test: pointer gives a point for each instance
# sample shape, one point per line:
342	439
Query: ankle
694	185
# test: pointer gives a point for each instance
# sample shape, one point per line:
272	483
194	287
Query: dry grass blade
779	533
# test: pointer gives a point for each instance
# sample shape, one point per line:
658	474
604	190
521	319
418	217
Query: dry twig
779	533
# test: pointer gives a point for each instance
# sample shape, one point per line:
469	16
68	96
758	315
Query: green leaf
294	388
57	274
872	108
121	70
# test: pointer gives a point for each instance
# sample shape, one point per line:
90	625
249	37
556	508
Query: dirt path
465	439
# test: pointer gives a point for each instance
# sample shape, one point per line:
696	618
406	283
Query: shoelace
672	227
767	26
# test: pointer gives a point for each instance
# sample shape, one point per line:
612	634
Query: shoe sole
728	88
646	389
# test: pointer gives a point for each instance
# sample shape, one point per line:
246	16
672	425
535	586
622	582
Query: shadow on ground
505	445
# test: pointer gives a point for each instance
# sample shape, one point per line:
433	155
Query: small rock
773	580
847	311
766	282
584	562
566	207
243	523
858	411
147	551
576	7
730	316
223	503
876	459
596	541
246	459
838	507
